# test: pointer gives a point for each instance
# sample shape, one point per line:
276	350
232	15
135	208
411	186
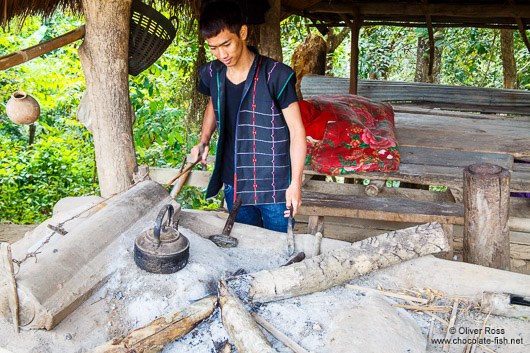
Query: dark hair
219	15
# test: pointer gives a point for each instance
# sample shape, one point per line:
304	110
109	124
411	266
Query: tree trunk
104	57
422	62
309	58
333	40
508	59
340	265
270	36
486	210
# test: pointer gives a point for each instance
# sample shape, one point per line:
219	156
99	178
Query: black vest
262	160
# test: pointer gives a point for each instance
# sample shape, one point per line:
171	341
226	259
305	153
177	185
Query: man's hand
195	151
293	198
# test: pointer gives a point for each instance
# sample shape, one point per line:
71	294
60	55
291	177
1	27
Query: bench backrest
475	99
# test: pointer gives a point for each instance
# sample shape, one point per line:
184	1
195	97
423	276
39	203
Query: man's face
228	46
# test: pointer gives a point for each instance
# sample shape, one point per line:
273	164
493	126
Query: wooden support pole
486	209
354	63
315	224
521	27
24	55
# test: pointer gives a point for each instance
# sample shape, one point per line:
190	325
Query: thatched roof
478	13
10	9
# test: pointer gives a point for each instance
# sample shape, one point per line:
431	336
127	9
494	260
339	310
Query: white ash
133	298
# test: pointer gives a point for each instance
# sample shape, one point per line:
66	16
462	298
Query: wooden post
354	63
315	224
270	34
486	209
104	58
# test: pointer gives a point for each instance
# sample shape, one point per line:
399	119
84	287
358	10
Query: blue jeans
265	216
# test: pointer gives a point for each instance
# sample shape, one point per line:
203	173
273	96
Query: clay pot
22	108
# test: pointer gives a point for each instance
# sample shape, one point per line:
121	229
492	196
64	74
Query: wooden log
486	210
154	336
503	304
242	329
374	187
340	265
22	56
6	270
68	272
316	245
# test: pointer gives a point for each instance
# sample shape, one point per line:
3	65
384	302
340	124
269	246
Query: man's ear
243	33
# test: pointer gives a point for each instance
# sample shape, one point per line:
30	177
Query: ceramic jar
22	108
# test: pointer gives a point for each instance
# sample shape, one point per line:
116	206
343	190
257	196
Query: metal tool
290	235
162	249
224	240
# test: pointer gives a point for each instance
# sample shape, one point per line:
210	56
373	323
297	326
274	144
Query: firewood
280	336
156	335
240	326
388	294
451	325
340	265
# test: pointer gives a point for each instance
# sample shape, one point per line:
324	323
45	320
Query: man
261	149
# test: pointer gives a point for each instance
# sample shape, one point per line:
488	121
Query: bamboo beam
24	55
407	10
368	23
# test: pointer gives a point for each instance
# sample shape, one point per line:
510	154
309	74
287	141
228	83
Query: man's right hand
195	152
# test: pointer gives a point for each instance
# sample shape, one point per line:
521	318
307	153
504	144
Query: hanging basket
151	34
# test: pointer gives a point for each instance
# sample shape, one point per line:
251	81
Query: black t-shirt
234	93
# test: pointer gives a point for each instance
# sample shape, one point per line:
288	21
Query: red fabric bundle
349	133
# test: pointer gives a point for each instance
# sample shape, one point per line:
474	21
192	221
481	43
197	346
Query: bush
33	178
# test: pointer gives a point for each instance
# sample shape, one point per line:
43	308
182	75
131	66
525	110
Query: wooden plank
318	204
450	158
163	176
521	167
459	98
418	109
493	136
358	189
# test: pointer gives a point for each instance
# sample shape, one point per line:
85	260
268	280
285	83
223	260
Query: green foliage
61	161
33	178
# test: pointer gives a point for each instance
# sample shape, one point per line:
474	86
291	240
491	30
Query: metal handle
160	218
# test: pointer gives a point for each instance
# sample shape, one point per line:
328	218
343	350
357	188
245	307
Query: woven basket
151	34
